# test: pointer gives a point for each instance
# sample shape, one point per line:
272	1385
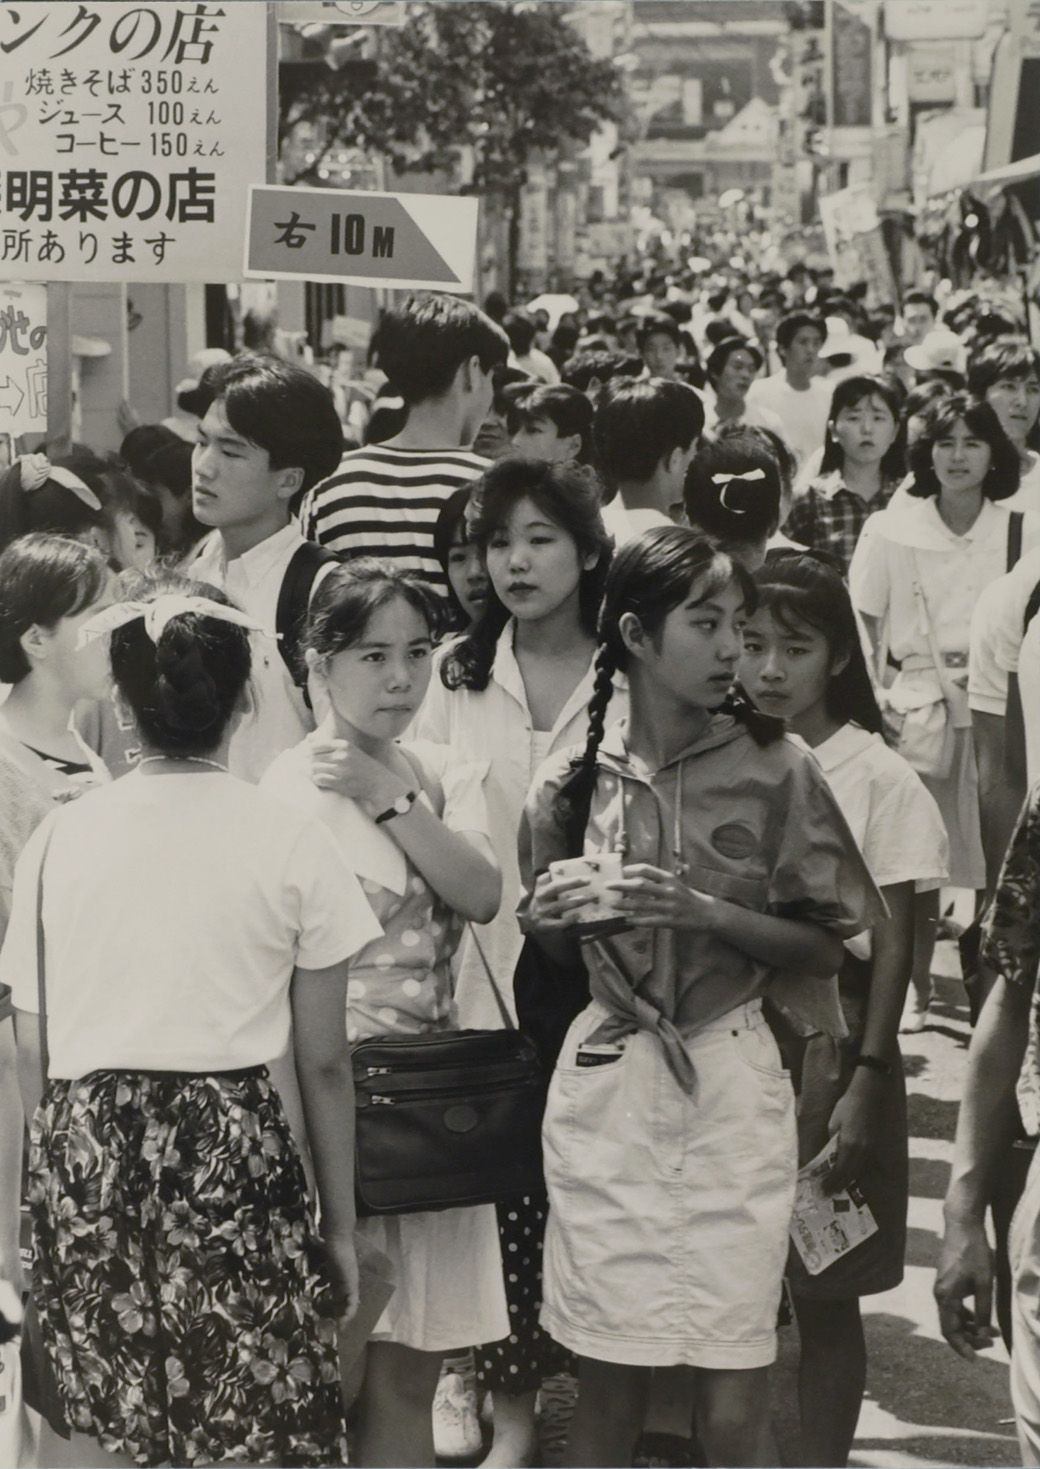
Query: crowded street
519	733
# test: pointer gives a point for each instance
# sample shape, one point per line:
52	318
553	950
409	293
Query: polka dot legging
519	1363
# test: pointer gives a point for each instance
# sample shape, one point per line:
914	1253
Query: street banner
362	238
343	12
23	364
936	20
128	140
852	68
852	229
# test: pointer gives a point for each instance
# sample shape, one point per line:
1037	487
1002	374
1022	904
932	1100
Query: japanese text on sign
23	359
127	142
425	240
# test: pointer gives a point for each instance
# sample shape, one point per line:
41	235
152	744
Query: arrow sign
361	238
11	397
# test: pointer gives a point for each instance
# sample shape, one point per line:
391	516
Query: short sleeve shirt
173	947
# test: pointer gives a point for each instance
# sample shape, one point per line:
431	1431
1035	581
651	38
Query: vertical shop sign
127	138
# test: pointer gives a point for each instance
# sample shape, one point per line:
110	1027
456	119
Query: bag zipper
379	1099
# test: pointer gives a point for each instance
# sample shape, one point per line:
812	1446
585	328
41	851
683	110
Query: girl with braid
511	691
669	1138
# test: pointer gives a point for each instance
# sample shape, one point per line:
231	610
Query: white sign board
935	20
931	74
343	12
23	361
1024	17
362	238
128	139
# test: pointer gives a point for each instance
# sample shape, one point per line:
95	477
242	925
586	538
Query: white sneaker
456	1430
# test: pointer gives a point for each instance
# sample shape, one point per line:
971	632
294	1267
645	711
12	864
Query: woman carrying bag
164	930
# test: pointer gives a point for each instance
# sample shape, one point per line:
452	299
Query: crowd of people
724	591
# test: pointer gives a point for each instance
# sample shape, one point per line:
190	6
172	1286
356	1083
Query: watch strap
874	1063
399	808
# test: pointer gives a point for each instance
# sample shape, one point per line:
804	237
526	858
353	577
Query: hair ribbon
36	469
725	480
159	612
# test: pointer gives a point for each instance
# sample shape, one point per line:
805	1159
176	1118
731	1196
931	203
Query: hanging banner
127	140
852	57
23	364
935	20
427	241
852	229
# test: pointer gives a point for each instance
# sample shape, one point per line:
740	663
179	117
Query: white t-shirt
802	413
176	907
894	819
624	525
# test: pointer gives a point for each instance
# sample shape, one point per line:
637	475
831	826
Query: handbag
448	1120
916	718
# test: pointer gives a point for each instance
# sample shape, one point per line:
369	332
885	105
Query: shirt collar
920	526
256	563
722	730
845	744
830	484
505	671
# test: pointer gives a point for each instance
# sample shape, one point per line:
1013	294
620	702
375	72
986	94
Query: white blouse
495	725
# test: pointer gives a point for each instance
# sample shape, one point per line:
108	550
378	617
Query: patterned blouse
1011	943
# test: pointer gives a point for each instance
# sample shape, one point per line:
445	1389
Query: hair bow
158	613
725	480
36	469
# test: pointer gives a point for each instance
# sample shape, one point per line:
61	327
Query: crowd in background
314	693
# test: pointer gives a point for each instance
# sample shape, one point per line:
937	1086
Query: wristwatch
400	807
874	1063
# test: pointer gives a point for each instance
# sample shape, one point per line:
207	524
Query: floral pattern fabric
181	1287
1011	943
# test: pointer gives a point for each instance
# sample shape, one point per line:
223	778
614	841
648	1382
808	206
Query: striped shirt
385	502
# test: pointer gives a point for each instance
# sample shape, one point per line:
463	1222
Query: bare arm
986	1125
11	1133
459	865
1002	781
319	1008
30	1076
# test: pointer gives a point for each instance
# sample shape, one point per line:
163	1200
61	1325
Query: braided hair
650	577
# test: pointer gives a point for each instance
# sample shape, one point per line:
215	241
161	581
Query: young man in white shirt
440	353
271	432
799	398
645	433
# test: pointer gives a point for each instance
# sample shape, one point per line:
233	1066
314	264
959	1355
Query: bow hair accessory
36	469
158	613
725	480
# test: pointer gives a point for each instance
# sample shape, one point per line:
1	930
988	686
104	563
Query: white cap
941	350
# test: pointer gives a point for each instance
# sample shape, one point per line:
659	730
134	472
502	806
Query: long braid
574	799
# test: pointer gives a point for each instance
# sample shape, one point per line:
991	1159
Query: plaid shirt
829	517
1011	944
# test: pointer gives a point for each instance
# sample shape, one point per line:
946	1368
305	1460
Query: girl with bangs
915	577
513	690
863	461
669	1136
803	661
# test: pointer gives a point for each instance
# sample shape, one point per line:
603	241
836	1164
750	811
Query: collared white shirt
898	546
280	718
495	724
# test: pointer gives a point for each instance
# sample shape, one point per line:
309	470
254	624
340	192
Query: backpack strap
293	600
1014	538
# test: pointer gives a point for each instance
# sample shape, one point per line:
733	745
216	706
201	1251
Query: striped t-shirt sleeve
385	502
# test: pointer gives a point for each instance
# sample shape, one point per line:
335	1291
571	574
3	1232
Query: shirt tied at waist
629	1012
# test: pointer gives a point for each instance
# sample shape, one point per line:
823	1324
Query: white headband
158	613
725	480
36	469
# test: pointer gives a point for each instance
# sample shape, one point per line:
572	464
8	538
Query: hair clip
158	613
36	469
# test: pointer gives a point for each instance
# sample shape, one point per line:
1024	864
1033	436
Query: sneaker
915	1016
456	1430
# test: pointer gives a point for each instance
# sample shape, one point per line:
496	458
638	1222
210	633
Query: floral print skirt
182	1291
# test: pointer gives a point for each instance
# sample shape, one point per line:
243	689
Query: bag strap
507	1019
1014	538
41	973
294	597
933	647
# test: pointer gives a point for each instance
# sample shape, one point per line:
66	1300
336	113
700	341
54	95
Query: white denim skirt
669	1213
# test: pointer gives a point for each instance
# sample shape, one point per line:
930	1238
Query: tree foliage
503	79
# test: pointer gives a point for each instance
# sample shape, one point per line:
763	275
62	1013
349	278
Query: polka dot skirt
519	1362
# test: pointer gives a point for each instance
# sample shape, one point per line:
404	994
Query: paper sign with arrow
23	359
366	239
